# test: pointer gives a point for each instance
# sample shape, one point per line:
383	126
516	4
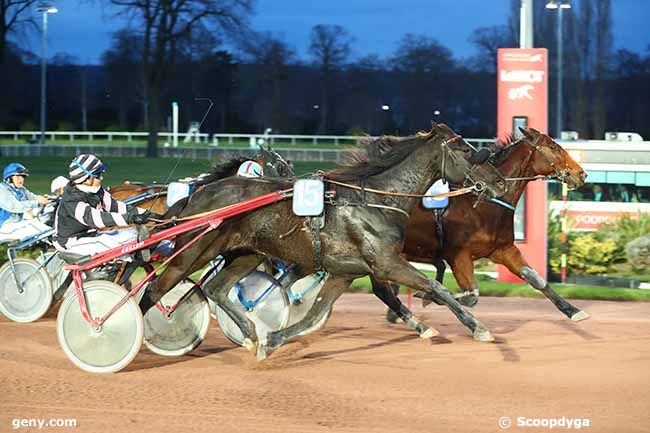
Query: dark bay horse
362	232
470	233
154	196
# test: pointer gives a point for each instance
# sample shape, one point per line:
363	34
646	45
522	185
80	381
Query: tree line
181	50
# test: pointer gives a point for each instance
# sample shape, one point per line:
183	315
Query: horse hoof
249	345
467	300
391	317
262	353
429	333
482	334
580	315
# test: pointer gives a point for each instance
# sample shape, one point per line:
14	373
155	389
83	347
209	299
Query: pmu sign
522	100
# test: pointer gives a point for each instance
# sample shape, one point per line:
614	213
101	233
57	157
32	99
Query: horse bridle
559	174
276	161
478	185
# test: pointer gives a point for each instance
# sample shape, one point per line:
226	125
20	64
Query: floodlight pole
526	24
43	74
44	9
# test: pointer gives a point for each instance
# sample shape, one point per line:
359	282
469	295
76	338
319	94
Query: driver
18	206
86	208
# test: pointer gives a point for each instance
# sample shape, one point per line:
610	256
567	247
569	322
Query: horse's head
549	159
463	164
273	163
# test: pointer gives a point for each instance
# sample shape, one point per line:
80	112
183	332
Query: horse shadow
289	355
146	360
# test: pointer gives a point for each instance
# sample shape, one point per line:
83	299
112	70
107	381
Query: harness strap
503	203
315	224
440	232
382	206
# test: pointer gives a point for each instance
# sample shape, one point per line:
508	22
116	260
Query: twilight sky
83	27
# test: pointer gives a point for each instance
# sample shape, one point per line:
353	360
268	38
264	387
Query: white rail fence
56	137
200	146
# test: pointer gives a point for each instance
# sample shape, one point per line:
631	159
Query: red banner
522	76
522	88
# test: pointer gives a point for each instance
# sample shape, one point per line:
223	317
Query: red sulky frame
208	222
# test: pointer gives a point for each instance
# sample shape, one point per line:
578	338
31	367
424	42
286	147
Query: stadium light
559	5
45	9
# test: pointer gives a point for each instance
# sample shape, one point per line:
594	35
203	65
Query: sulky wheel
112	346
26	295
186	326
269	314
307	290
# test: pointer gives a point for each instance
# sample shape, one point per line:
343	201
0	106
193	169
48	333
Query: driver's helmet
85	166
57	183
250	169
14	169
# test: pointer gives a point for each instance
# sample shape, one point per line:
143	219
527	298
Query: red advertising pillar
523	101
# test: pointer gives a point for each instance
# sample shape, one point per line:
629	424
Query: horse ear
526	132
446	129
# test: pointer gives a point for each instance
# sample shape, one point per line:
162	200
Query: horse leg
463	269
511	258
398	270
387	292
428	298
189	261
391	315
440	266
217	289
329	293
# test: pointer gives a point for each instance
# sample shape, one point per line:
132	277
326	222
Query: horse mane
220	171
502	149
377	155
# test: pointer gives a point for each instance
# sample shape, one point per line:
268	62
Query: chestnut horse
470	233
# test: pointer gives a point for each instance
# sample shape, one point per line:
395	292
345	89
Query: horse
360	233
469	233
154	196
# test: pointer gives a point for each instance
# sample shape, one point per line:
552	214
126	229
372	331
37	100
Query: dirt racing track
359	374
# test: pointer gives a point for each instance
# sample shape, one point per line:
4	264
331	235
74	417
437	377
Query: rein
289	192
460	191
121	188
537	177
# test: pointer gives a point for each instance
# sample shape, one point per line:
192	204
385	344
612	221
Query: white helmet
250	169
59	182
